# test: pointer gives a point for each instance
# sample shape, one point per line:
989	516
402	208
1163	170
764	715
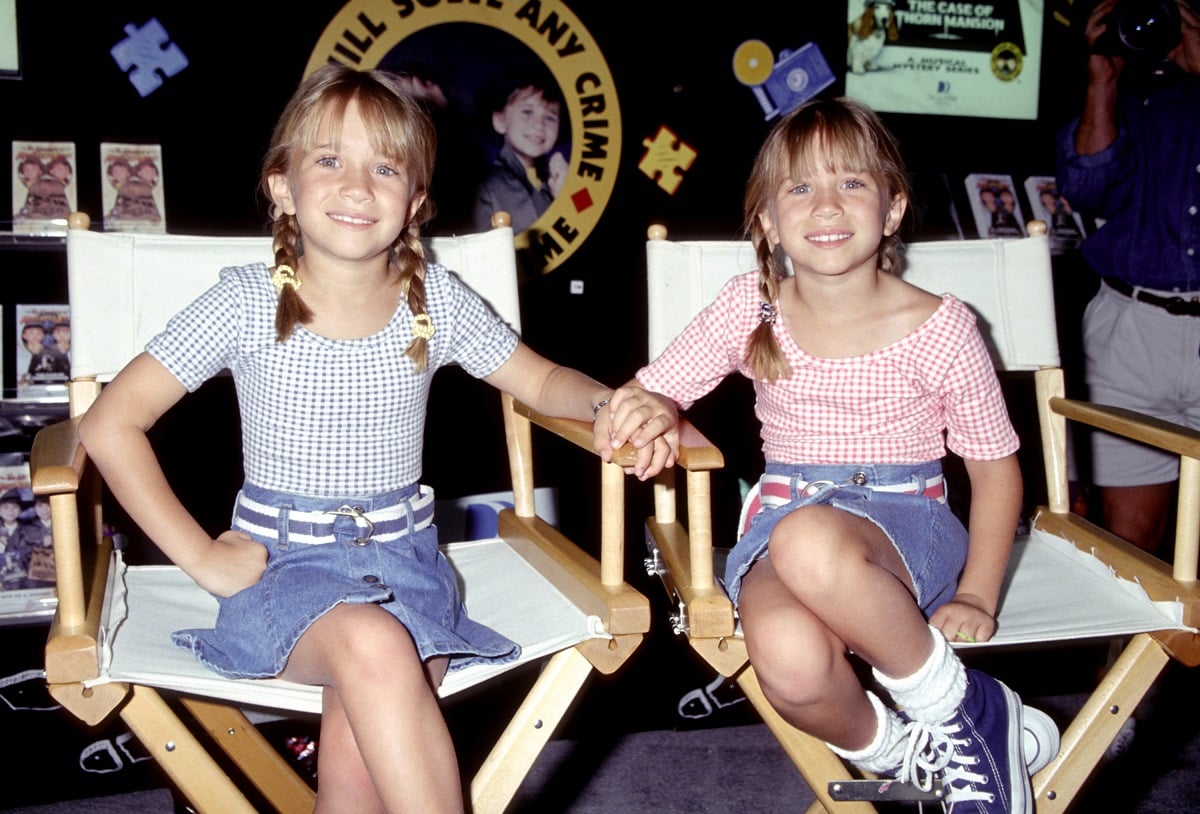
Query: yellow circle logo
1007	61
481	40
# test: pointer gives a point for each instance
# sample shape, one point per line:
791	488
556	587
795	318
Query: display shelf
30	242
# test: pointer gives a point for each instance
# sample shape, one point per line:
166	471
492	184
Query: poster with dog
944	57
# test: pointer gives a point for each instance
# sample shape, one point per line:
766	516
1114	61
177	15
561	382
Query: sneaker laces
932	751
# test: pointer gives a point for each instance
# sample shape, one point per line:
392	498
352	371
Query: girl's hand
964	619
232	563
648	421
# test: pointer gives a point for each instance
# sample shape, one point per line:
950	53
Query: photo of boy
14	555
528	171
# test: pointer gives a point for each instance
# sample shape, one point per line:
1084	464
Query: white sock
884	754
933	693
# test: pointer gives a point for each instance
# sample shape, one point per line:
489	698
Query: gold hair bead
285	275
423	326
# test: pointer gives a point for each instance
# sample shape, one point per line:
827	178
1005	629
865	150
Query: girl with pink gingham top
847	548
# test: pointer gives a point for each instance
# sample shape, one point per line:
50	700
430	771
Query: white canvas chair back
124	287
1067	580
1006	282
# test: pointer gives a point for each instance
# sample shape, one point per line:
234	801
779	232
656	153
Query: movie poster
995	206
43	186
131	186
43	343
946	58
27	576
1064	225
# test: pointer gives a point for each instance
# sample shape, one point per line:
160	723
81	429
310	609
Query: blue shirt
1146	186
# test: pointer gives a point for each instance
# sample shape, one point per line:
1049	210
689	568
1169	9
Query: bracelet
596	409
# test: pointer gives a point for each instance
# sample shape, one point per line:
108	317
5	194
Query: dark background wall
671	62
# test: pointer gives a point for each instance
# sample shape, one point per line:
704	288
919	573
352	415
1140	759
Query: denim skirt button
370	579
859	478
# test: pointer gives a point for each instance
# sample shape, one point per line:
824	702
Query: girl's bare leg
342	775
385	716
832	583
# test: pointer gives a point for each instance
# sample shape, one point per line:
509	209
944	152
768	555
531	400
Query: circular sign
364	34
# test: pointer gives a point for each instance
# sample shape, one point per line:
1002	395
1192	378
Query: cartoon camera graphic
781	85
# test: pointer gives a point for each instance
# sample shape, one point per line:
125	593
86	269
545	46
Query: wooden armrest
57	459
696	453
1130	424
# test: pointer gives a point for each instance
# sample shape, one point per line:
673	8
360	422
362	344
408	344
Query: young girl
331	574
862	380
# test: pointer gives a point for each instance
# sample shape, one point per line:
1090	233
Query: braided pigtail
891	254
764	357
410	261
291	310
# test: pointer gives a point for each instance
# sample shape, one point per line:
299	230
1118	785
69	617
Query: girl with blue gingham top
331	574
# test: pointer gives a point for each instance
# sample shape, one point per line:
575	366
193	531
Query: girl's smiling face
831	219
350	200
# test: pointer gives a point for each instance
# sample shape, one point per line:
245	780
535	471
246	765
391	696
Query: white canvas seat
1068	581
109	649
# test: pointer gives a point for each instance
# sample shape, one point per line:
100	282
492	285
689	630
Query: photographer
1132	159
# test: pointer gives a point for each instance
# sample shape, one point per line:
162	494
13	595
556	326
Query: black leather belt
1178	306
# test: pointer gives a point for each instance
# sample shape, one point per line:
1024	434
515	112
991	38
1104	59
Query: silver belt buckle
360	519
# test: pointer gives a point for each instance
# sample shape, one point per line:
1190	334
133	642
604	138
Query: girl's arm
996	494
114	433
646	420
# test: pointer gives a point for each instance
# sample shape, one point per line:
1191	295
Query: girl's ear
768	227
281	193
414	206
895	214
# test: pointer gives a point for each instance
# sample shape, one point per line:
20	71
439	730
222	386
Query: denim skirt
380	550
929	538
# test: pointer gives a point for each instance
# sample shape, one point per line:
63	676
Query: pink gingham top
904	403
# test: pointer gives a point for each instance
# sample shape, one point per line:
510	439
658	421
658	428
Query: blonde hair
400	128
843	134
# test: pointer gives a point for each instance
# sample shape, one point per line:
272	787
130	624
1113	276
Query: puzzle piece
148	51
666	159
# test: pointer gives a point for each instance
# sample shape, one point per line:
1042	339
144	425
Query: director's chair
1068	581
109	649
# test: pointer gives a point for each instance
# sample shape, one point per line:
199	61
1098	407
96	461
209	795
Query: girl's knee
792	676
812	544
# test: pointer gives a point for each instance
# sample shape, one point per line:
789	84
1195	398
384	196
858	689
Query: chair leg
179	754
816	763
522	741
261	763
1097	723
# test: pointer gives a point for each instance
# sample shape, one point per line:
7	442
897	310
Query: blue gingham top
325	417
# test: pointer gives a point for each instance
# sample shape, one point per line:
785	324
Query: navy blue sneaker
978	754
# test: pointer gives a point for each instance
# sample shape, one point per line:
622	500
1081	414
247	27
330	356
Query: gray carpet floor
740	769
626	748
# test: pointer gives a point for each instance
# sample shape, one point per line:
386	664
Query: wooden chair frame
83	553
682	554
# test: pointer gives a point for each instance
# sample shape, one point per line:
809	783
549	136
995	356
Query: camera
1145	29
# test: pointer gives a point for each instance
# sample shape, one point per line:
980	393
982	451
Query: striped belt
316	528
773	491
